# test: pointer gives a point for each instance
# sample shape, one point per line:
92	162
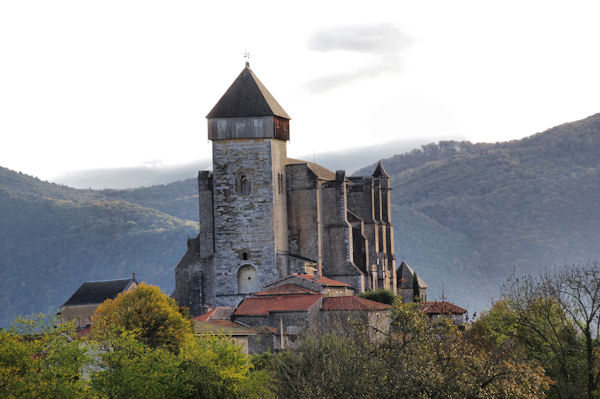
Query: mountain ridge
466	216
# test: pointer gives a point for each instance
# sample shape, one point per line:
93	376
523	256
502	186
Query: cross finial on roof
247	57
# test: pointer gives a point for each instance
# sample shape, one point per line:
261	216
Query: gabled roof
441	307
326	281
352	303
247	97
263	305
96	292
320	171
286	289
218	313
380	171
403	271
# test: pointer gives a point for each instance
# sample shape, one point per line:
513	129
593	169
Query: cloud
328	82
373	39
381	43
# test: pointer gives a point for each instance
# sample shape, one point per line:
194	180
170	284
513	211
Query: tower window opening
244	255
280	183
243	185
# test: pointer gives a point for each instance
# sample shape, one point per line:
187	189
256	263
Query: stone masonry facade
264	216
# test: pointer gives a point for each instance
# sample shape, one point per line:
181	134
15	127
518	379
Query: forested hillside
468	215
52	238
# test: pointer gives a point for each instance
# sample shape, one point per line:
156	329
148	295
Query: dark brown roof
263	305
96	292
352	303
442	307
380	171
246	97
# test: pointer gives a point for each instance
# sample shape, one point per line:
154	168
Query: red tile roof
352	303
286	289
263	305
326	281
205	316
442	307
218	313
84	331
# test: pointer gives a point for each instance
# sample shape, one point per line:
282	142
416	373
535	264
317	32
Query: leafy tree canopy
152	315
380	295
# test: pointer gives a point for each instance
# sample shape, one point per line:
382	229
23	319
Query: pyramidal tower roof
247	97
380	171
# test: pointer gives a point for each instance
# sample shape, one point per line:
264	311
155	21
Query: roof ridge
247	96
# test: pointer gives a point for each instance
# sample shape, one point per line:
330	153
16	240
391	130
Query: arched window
247	279
243	185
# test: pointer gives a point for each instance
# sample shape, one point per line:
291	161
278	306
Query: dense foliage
142	347
416	359
379	295
153	316
552	318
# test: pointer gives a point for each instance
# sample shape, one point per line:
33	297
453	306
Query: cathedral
265	217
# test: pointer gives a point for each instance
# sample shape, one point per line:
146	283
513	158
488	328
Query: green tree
416	359
39	360
128	368
553	304
214	367
150	313
416	289
380	295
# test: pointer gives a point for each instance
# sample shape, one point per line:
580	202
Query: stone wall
337	235
250	228
304	216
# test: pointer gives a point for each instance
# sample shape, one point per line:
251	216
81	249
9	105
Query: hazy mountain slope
52	238
122	178
179	199
525	204
465	215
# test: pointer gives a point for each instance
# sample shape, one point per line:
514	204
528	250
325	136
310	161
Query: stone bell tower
249	132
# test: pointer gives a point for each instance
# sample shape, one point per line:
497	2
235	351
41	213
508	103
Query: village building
264	216
405	283
80	307
445	309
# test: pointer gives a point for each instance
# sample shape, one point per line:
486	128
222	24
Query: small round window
243	185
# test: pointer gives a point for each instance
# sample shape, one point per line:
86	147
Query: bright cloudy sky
125	83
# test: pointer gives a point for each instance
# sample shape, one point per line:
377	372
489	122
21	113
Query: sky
87	85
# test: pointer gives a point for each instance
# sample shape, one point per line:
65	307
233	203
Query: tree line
540	340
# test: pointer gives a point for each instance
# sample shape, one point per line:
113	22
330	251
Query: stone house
264	216
444	309
80	307
292	309
251	339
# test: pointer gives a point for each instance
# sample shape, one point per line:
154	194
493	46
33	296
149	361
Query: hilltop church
265	217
